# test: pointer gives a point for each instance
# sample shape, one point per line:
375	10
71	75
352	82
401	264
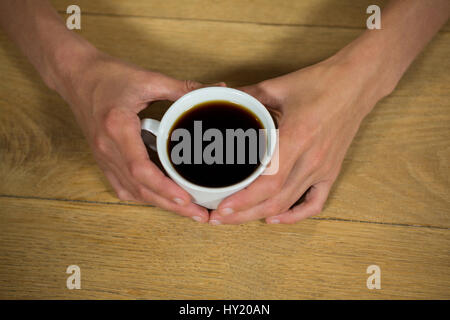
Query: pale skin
319	108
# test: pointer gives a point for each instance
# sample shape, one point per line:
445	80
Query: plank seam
228	21
152	206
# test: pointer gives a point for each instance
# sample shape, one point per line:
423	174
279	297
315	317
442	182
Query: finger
190	210
313	204
265	186
162	87
123	127
118	188
217	84
257	92
262	92
295	186
106	156
264	209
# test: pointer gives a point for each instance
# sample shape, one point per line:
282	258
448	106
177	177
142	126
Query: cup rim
180	102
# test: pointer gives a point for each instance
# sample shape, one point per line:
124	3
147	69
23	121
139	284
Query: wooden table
390	206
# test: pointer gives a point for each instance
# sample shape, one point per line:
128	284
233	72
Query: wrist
368	69
68	65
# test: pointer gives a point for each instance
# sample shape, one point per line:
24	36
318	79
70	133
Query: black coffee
216	144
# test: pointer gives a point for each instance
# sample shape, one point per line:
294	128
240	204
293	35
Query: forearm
43	37
382	56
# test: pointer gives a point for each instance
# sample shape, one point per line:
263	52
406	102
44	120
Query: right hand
106	99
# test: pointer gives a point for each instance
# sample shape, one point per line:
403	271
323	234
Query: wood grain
341	14
138	252
389	207
396	170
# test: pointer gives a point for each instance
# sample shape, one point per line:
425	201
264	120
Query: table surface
389	207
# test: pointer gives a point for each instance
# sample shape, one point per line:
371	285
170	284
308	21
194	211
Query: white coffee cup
205	196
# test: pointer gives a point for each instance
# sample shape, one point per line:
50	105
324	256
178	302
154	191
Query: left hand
318	110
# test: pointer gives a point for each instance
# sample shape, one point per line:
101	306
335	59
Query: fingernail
273	221
197	218
226	211
178	201
215	222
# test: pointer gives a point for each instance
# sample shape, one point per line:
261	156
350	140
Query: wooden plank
396	170
343	13
137	252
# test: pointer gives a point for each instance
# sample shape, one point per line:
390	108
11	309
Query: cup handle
149	132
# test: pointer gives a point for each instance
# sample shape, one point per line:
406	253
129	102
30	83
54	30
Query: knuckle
100	144
143	194
316	209
158	186
135	168
267	88
112	120
272	90
262	87
274	207
264	90
317	160
271	188
305	131
122	195
276	185
291	221
190	85
327	167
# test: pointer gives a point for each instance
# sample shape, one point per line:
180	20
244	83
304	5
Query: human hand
106	98
318	110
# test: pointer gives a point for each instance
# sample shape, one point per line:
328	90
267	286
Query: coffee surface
230	165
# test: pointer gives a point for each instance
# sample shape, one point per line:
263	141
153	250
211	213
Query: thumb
171	89
257	91
271	102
